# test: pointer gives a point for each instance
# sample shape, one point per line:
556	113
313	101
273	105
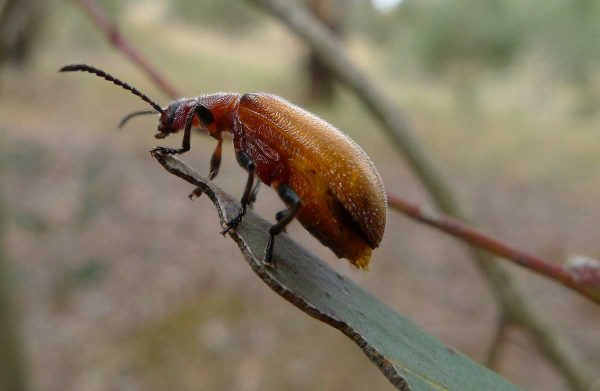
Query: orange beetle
325	179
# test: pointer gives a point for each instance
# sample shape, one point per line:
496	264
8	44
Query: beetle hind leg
246	162
283	218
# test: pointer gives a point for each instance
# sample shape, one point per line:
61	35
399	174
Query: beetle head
175	116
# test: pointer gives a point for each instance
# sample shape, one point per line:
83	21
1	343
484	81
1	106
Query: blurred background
118	281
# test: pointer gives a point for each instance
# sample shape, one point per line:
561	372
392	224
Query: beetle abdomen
327	219
325	166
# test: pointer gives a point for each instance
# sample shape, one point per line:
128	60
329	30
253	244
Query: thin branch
110	29
586	283
513	303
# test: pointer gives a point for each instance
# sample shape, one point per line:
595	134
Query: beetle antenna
134	114
101	73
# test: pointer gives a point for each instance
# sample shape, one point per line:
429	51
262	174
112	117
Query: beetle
324	178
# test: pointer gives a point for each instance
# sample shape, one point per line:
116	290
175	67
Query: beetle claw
232	224
166	151
268	258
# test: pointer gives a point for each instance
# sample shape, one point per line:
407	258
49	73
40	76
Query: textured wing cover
312	145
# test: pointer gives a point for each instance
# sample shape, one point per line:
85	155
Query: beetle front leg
247	163
198	110
284	217
185	146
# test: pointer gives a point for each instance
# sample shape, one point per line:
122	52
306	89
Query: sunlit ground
126	284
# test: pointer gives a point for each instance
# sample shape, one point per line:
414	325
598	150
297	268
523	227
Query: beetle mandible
324	178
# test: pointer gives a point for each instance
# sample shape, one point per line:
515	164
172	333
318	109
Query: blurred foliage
467	33
228	16
89	273
25	158
570	43
462	39
362	19
96	194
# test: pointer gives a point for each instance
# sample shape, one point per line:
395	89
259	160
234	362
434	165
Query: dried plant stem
470	235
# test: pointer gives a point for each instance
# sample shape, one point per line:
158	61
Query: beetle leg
215	160
280	216
246	162
199	111
283	217
187	132
215	163
255	190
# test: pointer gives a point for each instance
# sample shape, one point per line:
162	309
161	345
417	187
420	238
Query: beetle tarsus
268	260
168	151
233	223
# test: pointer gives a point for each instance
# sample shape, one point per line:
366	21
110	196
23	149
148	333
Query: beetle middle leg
284	217
247	163
254	193
215	163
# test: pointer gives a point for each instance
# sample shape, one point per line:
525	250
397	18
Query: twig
513	303
569	277
103	22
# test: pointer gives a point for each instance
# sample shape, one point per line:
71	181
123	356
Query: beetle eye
205	115
171	116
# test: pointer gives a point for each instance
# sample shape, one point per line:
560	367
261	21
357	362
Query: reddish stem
461	231
101	19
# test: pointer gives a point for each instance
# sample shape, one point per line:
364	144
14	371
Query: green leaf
408	356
